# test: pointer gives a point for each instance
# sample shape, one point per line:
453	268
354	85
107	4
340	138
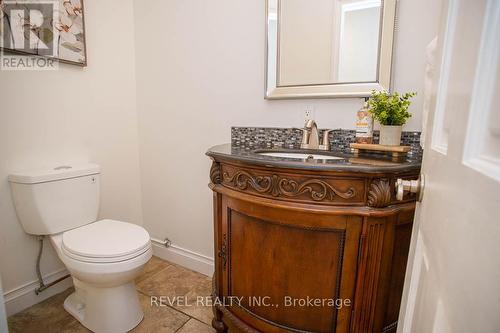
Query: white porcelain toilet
103	257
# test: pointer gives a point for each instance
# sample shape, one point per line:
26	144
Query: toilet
103	256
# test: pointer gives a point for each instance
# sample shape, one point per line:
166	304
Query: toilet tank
55	200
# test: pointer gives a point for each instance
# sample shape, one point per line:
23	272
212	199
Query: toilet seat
105	241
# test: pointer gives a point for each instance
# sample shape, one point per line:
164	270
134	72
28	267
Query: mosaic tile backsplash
340	139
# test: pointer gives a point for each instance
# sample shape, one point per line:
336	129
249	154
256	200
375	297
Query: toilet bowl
103	259
103	256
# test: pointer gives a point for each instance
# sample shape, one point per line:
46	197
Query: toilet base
105	310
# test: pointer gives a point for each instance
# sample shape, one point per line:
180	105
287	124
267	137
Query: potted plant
391	111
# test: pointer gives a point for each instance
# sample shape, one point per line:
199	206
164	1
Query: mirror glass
326	43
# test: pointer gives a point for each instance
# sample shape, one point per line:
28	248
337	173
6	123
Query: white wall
200	70
358	56
73	114
306	33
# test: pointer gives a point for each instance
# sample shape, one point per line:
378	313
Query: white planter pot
390	135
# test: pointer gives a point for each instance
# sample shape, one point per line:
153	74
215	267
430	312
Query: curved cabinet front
308	251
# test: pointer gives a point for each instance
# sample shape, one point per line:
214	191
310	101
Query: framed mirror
328	48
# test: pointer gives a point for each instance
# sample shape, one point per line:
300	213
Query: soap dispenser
364	124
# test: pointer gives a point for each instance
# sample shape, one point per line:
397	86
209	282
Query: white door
453	275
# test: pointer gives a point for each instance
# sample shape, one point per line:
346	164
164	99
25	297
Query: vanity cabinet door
286	268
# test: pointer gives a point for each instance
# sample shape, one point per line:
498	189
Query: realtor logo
28	41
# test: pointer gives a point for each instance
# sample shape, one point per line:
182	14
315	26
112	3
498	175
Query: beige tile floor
160	278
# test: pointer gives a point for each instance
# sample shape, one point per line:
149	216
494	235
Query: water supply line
166	242
42	286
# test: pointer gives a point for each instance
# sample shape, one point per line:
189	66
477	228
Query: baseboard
24	296
184	257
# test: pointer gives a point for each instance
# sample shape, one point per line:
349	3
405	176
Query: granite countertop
368	163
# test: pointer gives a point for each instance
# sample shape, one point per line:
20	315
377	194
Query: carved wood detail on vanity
298	232
380	193
369	262
215	173
282	186
277	186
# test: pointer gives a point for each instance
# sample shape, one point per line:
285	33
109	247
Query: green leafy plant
390	109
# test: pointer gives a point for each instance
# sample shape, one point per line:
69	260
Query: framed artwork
47	28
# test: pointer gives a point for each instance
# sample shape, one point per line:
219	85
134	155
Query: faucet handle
325	143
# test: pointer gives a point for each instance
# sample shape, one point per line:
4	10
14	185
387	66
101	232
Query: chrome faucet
310	137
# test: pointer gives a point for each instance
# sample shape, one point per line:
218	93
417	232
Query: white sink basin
301	156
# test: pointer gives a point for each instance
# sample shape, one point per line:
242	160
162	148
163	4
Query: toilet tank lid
56	173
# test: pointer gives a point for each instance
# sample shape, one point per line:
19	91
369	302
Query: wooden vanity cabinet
308	251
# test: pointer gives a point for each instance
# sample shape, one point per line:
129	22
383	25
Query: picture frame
63	28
